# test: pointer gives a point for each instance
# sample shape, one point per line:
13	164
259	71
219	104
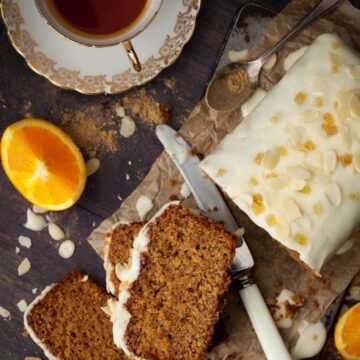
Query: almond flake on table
24	267
56	232
22	305
92	166
127	127
17	249
34	290
25	241
67	249
34	221
4	312
127	177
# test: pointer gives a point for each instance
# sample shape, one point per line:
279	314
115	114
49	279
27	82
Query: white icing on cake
293	164
128	275
32	334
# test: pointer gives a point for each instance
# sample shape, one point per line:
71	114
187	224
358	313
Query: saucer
99	70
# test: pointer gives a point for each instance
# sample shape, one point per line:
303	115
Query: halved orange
43	163
347	334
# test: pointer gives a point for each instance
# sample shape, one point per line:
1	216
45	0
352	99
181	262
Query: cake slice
67	321
293	164
172	287
118	242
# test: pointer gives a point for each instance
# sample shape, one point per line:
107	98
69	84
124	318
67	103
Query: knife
210	200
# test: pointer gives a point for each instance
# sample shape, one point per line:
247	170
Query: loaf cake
293	163
118	242
67	321
172	287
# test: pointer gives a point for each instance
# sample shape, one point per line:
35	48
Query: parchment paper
275	268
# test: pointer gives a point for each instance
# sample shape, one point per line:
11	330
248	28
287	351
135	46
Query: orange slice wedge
43	163
347	334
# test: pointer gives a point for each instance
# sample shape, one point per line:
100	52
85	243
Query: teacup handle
132	55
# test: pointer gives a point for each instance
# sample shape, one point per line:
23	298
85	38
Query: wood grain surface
22	92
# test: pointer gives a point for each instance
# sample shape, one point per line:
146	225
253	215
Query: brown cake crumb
70	323
93	129
147	108
178	296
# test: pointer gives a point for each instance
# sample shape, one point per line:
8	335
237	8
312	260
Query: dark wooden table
22	91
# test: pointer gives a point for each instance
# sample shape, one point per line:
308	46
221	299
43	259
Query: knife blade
211	202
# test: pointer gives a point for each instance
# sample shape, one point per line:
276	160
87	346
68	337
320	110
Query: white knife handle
264	325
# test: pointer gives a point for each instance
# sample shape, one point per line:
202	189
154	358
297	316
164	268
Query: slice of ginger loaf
67	321
118	242
169	309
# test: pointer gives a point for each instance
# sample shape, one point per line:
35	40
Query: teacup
91	23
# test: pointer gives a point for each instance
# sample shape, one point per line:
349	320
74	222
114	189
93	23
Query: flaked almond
299	172
34	221
127	127
4	313
345	135
309	115
355	102
290	210
24	267
304	222
25	241
329	162
66	249
92	166
355	71
306	146
270	159
22	305
56	232
333	193
297	184
356	162
120	111
279	182
282	227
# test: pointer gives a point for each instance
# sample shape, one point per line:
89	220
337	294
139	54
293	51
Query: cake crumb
127	127
143	206
34	221
147	108
92	129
